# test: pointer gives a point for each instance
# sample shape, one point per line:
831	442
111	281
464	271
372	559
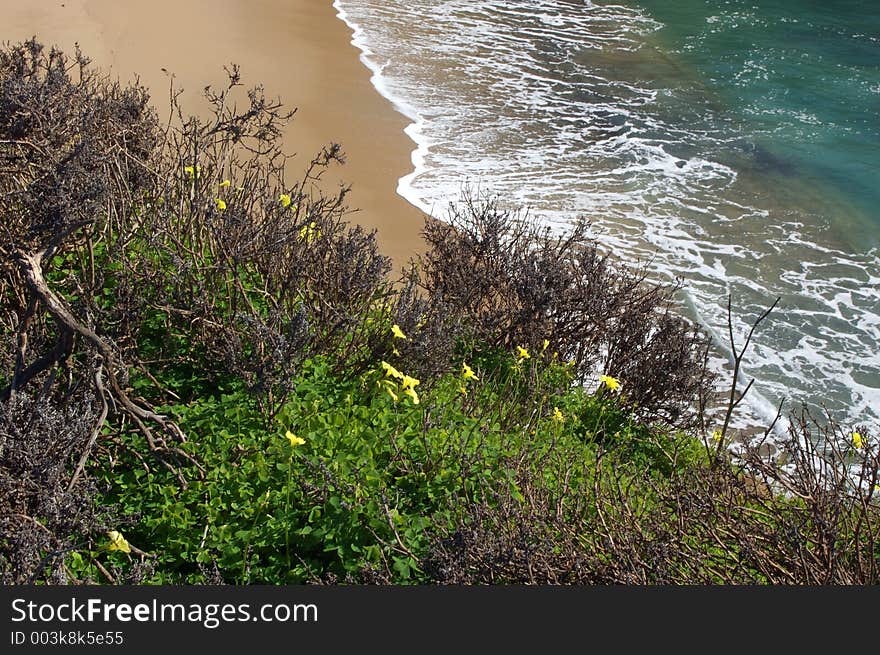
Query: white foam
415	130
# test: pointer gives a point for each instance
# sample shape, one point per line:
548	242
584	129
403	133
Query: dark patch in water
766	162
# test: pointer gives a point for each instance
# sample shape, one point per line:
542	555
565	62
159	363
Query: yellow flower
118	542
857	440
558	416
389	388
284	199
522	353
397	332
309	232
462	390
294	440
224	183
546	345
468	373
409	382
716	436
392	372
192	171
221	204
409	391
610	382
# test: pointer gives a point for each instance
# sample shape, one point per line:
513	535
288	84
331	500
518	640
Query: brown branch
80	465
30	265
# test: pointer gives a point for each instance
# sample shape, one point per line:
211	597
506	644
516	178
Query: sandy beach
297	49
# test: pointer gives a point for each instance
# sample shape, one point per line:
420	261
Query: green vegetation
209	376
350	482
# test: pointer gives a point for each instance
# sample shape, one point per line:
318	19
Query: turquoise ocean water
732	144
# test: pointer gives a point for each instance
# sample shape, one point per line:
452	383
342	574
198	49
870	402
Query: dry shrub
130	247
271	275
811	518
495	278
123	278
44	512
77	152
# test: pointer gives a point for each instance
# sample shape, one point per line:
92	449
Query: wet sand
297	49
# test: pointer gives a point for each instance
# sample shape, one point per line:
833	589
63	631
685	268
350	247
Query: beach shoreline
298	50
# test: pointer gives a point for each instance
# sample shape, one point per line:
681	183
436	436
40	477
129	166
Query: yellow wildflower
397	332
857	440
118	542
522	353
716	436
392	372
546	345
389	388
309	233
409	382
462	390
192	171
468	373
610	382
558	416
224	183
221	204
284	199
409	391
294	440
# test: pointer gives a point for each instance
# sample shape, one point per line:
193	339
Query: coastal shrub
78	151
810	517
269	271
46	508
179	245
501	281
142	264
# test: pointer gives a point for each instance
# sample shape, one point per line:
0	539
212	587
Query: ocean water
733	144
